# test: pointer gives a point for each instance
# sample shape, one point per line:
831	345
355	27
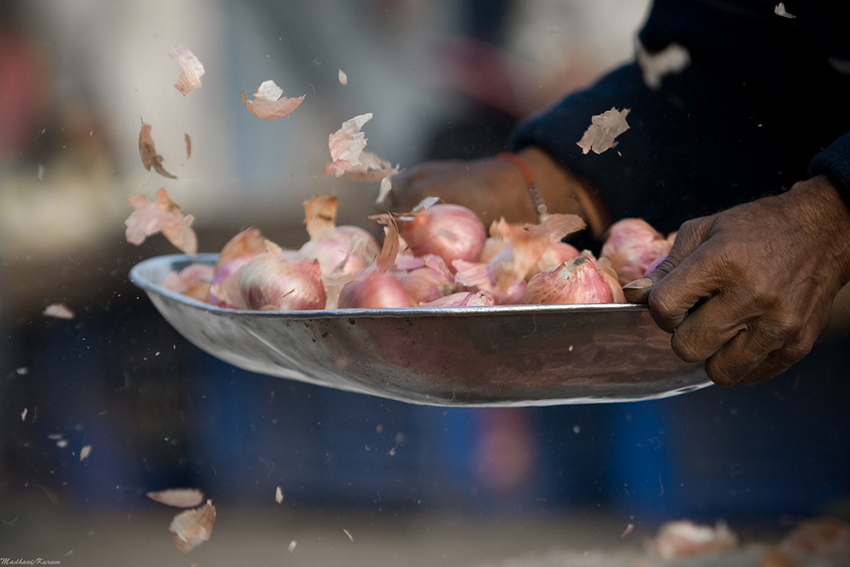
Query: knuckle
690	232
687	348
786	325
690	227
721	372
664	308
661	301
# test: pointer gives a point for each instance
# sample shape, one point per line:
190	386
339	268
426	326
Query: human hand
749	290
495	188
490	187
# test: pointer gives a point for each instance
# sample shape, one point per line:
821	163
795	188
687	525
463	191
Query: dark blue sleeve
743	121
834	161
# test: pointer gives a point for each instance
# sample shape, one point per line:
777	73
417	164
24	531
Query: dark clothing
762	96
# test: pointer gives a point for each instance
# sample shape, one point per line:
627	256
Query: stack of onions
437	255
514	251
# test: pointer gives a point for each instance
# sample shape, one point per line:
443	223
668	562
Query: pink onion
492	246
377	291
272	281
424	284
603	265
631	246
334	255
344	250
577	281
192	281
475	276
339	250
556	253
654	264
450	231
247	243
355	232
225	292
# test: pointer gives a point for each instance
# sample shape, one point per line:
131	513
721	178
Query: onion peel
269	102
603	130
348	158
193	527
163	215
193	69
147	150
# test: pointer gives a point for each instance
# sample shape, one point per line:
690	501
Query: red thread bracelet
533	189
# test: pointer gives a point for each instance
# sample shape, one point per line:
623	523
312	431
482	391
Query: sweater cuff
834	162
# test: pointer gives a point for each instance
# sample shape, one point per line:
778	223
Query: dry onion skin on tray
437	255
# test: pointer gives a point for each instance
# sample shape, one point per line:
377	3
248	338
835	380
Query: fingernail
639	285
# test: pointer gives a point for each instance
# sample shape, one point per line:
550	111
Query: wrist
540	207
563	192
824	209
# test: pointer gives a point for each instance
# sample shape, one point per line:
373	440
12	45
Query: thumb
690	236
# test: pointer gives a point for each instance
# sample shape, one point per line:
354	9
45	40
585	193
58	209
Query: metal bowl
508	355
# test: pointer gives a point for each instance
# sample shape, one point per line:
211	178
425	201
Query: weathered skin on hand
749	290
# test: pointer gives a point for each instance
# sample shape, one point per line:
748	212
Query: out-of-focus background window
444	79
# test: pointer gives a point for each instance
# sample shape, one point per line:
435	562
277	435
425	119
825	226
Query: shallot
271	281
339	250
224	287
376	291
556	253
475	276
632	245
428	283
193	281
450	231
577	281
655	263
374	287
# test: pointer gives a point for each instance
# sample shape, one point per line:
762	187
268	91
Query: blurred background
444	79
